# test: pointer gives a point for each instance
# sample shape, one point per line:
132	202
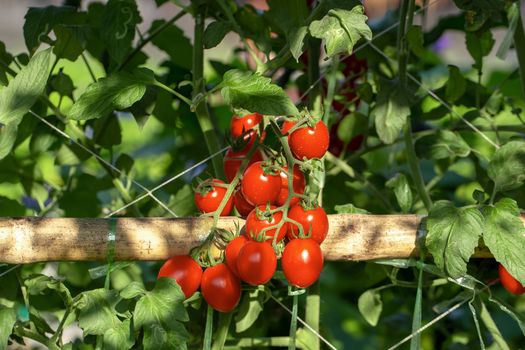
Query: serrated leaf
390	113
133	290
118	23
97	311
290	17
444	144
7	321
456	84
8	135
116	92
507	166
119	337
70	41
341	30
39	21
254	93
40	284
370	306
402	191
23	91
452	235
504	235
349	209
173	41
249	310
158	337
215	32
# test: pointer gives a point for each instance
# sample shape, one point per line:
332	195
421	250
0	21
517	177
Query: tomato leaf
11	208
70	42
402	191
215	32
23	91
8	135
479	45
349	209
250	308
456	85
254	93
97	311
290	16
116	92
341	30
7	321
390	113
119	337
370	306
352	125
173	41
133	290
504	235
443	144
41	284
507	166
452	235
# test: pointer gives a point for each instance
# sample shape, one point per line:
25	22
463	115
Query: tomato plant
298	185
314	222
260	221
233	160
186	271
260	184
209	195
309	141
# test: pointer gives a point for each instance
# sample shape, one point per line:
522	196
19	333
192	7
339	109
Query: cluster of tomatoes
282	218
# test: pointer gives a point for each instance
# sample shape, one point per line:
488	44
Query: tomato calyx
206	186
269	168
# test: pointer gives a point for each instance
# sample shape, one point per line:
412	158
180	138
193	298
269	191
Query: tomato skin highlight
243	207
260	188
240	125
315	218
210	201
308	142
185	270
511	284
299	183
231	166
231	253
302	262
256	262
254	225
221	288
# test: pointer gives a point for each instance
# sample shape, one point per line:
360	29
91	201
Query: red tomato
259	187
232	252
243	207
302	262
308	142
298	186
254	224
220	288
256	262
313	221
240	125
186	271
231	166
287	125
509	282
208	197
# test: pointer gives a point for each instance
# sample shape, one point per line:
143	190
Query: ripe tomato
232	252
208	197
220	288
302	262
313	221
509	282
256	262
298	185
240	125
255	225
186	271
287	125
243	207
308	142
259	186
231	166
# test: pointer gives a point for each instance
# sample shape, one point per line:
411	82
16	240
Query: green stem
208	332
313	306
519	43
173	92
23	332
88	66
203	116
293	323
58	332
222	330
259	342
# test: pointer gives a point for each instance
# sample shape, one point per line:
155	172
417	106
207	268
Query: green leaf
415	40
215	32
507	166
173	41
6	58
23	91
183	203
352	125
119	337
118	27
39	21
513	15
402	191
390	113
70	42
97	311
341	30
415	342
452	235
479	45
492	327
7	138
349	209
370	306
133	290
250	308
456	84
290	17
7	321
444	144
116	92
41	284
49	171
504	235
254	93
11	208
158	337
